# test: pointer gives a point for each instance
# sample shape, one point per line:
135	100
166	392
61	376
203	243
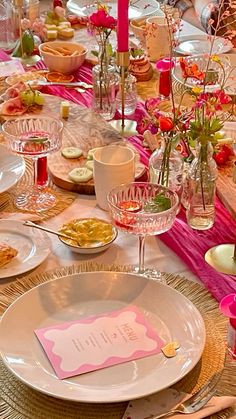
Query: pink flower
144	124
222	97
101	19
38	28
60	12
152	104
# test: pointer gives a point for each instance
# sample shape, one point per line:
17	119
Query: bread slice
7	253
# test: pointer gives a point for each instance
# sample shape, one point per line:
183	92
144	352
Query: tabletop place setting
117	211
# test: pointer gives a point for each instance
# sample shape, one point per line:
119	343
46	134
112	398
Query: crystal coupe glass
132	210
34	137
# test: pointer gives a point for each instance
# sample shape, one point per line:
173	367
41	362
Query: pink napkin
4	56
191	245
164	401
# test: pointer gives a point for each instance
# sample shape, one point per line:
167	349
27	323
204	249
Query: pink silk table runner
190	245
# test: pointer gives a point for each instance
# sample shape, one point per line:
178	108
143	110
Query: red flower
101	19
221	157
222	97
190	70
165	124
57	3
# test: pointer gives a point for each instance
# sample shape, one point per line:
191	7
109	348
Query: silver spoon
48	230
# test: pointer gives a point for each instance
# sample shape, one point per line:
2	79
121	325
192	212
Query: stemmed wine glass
133	209
34	137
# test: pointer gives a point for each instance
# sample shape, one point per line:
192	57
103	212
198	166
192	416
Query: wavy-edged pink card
97	342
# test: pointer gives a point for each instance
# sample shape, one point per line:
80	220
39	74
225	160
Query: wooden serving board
83	129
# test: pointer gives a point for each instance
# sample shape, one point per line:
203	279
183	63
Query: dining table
178	254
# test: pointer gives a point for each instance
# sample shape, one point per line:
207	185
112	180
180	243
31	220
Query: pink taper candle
122	26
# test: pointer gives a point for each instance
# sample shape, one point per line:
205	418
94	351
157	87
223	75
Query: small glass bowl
218	67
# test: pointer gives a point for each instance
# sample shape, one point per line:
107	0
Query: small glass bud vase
105	81
130	96
185	193
7	36
166	167
202	186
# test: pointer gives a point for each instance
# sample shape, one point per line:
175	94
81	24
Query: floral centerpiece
193	128
101	24
202	135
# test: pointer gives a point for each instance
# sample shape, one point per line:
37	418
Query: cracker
52	51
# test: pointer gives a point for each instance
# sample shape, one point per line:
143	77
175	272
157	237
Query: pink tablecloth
189	244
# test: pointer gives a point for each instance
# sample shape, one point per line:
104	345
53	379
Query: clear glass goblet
138	220
34	137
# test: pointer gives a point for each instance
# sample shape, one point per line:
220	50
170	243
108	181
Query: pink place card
97	342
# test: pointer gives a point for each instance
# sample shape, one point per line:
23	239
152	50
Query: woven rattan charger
19	401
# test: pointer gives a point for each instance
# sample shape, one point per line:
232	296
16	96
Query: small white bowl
63	63
138	27
92	249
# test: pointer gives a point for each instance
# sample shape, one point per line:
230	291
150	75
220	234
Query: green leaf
109	50
158	204
136	52
216	125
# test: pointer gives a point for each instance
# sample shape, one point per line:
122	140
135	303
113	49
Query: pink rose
101	19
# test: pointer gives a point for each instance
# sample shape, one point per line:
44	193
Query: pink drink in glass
132	211
35	137
34	144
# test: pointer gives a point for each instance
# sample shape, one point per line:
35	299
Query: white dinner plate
201	44
230	84
33	247
137	8
230	129
69	298
12	168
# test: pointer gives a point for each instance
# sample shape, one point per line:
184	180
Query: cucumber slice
90	165
71	152
91	153
80	174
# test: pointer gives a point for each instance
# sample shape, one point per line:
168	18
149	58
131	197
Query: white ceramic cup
113	165
157	38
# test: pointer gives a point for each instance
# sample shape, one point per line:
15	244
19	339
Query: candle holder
222	258
125	126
